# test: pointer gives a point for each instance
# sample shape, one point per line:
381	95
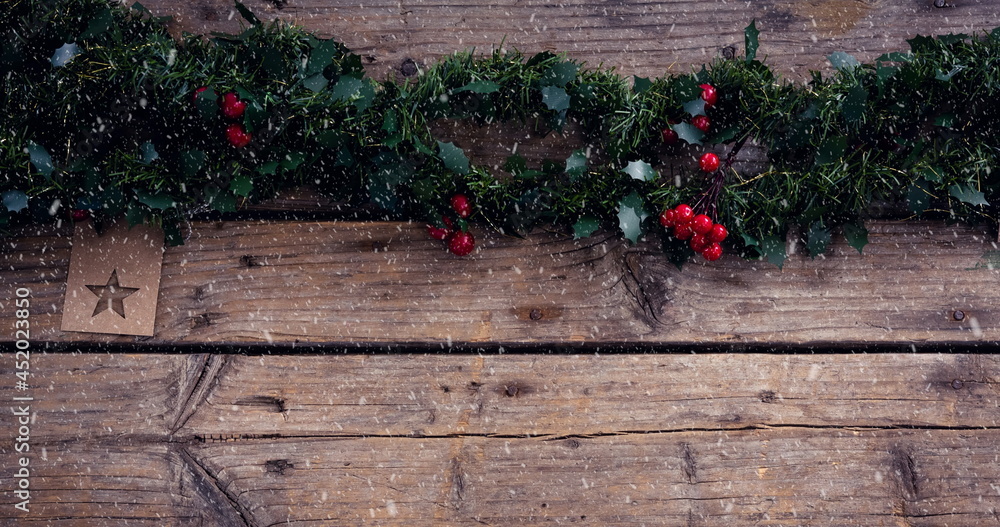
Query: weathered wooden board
389	284
637	38
511	439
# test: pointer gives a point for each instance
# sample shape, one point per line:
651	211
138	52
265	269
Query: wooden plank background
462	432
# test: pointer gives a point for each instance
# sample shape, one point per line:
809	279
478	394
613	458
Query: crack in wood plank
211	369
225	505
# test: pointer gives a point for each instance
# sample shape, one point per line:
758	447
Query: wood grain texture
637	38
581	395
746	477
712	439
388	284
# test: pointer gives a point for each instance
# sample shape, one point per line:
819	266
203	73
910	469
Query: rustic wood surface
676	439
388	284
637	38
376	436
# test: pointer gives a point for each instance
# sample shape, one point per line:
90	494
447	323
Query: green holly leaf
453	157
480	86
585	226
64	54
946	76
160	200
224	202
641	84
247	14
113	200
321	56
135	215
967	194
918	196
854	103
316	82
14	200
555	98
241	185
207	102
640	170
695	107
292	160
932	174
817	239
172	233
772	248
576	164
148	152
365	97
686	88
750	34
630	215
346	87
191	162
726	134
560	74
515	164
843	61
688	133
856	234
895	56
952	38
268	168
945	120
40	158
831	149
678	252
883	74
101	22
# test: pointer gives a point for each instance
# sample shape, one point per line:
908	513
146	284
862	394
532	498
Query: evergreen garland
101	112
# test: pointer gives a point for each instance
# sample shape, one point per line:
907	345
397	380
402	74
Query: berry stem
708	198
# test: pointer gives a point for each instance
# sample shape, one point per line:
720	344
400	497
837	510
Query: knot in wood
408	68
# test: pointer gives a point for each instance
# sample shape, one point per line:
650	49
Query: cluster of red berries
704	235
701	122
460	242
232	108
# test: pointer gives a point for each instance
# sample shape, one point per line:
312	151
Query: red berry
701	224
231	105
713	252
669	136
702	123
462	206
708	95
699	242
718	233
668	218
237	136
708	162
683	232
79	214
683	213
461	243
437	232
194	96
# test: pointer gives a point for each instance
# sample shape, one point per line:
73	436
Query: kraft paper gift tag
114	279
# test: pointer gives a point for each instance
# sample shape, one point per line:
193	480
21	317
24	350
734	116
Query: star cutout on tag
111	295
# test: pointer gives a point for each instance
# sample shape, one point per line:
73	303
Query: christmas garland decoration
104	113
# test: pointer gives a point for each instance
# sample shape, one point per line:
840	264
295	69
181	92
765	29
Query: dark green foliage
99	111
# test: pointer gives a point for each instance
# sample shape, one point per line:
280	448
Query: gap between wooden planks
351	284
857	439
